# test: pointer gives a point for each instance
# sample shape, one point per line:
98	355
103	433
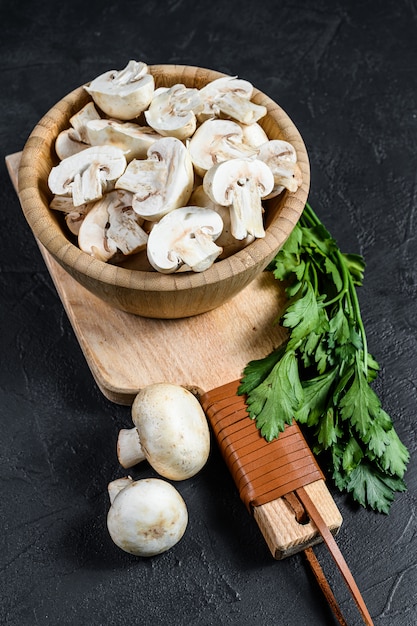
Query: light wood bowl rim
49	234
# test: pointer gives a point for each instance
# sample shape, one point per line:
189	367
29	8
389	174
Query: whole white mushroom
171	432
146	516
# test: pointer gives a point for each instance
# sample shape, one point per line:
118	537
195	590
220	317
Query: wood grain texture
126	352
282	532
148	293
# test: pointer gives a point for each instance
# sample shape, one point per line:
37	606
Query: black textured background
346	73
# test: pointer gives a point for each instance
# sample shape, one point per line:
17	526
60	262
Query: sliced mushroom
185	236
214	90
68	143
173	110
125	226
74	139
241	184
216	141
111	226
281	158
225	240
162	182
86	176
253	135
73	215
80	120
230	96
133	139
123	94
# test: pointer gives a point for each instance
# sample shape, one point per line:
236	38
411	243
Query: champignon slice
73	215
253	135
216	141
185	236
123	94
162	182
125	228
133	139
74	139
88	174
214	90
281	158
92	234
80	120
230	96
111	226
226	240
241	184
67	143
172	111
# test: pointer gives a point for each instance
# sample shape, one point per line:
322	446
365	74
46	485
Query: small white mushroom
281	158
111	226
123	94
171	432
146	517
225	240
216	141
184	239
133	139
230	96
162	182
86	176
172	111
241	184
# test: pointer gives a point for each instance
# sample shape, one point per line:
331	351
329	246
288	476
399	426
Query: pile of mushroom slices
148	516
170	177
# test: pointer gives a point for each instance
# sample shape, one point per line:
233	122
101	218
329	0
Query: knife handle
267	474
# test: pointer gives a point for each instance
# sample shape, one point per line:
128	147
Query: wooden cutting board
126	352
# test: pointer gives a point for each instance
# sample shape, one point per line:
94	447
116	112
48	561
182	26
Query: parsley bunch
322	375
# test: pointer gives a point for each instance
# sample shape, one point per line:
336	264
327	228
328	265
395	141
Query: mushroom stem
246	209
116	486
129	449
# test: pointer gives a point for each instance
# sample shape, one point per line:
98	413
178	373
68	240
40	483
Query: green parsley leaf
322	374
360	405
279	395
371	487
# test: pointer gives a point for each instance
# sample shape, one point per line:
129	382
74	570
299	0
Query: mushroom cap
162	182
225	240
68	143
123	94
172	111
133	139
215	89
215	141
172	429
147	517
85	175
281	158
185	236
219	181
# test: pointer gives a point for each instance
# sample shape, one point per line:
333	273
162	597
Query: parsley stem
348	289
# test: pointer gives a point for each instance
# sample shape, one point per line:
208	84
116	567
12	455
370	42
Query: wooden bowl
147	293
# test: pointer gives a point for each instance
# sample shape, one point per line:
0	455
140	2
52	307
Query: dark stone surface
345	72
